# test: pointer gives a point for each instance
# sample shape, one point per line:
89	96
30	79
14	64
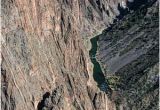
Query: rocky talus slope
45	55
128	53
45	62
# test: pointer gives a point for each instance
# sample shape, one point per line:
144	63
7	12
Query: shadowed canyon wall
129	53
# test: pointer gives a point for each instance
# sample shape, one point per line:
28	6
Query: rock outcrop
45	57
43	48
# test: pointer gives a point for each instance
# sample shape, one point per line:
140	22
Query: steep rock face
128	53
43	50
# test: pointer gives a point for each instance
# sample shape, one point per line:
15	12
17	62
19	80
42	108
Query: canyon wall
45	58
43	52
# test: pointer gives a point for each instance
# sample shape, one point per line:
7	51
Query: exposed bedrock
44	47
45	57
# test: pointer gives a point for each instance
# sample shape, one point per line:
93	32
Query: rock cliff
45	58
43	52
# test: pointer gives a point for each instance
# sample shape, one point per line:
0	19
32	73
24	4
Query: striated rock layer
44	56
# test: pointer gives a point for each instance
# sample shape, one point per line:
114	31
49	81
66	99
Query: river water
97	71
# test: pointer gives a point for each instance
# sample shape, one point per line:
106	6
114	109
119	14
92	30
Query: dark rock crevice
41	104
52	101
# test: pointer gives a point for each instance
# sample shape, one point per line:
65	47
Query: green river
97	71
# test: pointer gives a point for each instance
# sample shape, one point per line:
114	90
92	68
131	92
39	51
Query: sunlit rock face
45	60
124	5
44	47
